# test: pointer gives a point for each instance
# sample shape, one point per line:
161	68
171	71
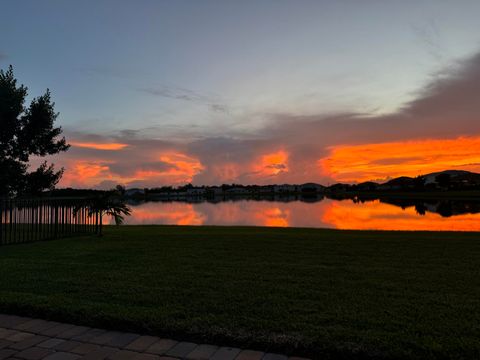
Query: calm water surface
326	213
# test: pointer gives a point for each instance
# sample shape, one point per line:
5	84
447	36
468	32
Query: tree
121	189
109	203
443	180
25	133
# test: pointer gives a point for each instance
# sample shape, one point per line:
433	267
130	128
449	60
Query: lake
319	213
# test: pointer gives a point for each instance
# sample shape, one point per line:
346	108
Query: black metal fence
25	220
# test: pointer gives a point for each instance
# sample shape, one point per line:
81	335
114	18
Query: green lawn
323	293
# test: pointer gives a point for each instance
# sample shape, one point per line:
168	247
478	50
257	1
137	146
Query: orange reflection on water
346	214
374	215
274	217
254	213
168	213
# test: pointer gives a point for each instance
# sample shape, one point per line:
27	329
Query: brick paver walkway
34	339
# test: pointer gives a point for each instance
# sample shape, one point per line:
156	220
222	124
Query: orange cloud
180	169
258	169
273	163
85	173
410	158
183	165
99	146
173	168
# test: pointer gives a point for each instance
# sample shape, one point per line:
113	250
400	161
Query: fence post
55	231
24	220
1	222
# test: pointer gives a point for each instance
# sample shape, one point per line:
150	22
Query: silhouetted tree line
224	187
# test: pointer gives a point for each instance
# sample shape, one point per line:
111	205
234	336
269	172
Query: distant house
265	189
134	192
311	187
285	188
338	188
196	191
214	191
237	191
454	178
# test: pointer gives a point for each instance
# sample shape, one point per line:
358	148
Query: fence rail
26	220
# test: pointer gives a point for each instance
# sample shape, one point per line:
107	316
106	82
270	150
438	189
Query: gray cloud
123	169
430	38
177	93
128	133
183	94
219	108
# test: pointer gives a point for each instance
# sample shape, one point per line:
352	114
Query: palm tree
108	203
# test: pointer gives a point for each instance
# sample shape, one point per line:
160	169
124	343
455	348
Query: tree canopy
26	132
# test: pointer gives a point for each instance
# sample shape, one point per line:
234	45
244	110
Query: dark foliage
110	203
443	180
25	133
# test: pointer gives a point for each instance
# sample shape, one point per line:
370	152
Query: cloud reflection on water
345	214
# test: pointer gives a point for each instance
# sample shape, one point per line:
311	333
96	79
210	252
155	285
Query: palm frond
111	204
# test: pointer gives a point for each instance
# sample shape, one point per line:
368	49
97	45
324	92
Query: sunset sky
155	93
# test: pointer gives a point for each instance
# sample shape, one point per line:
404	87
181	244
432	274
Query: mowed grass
320	293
